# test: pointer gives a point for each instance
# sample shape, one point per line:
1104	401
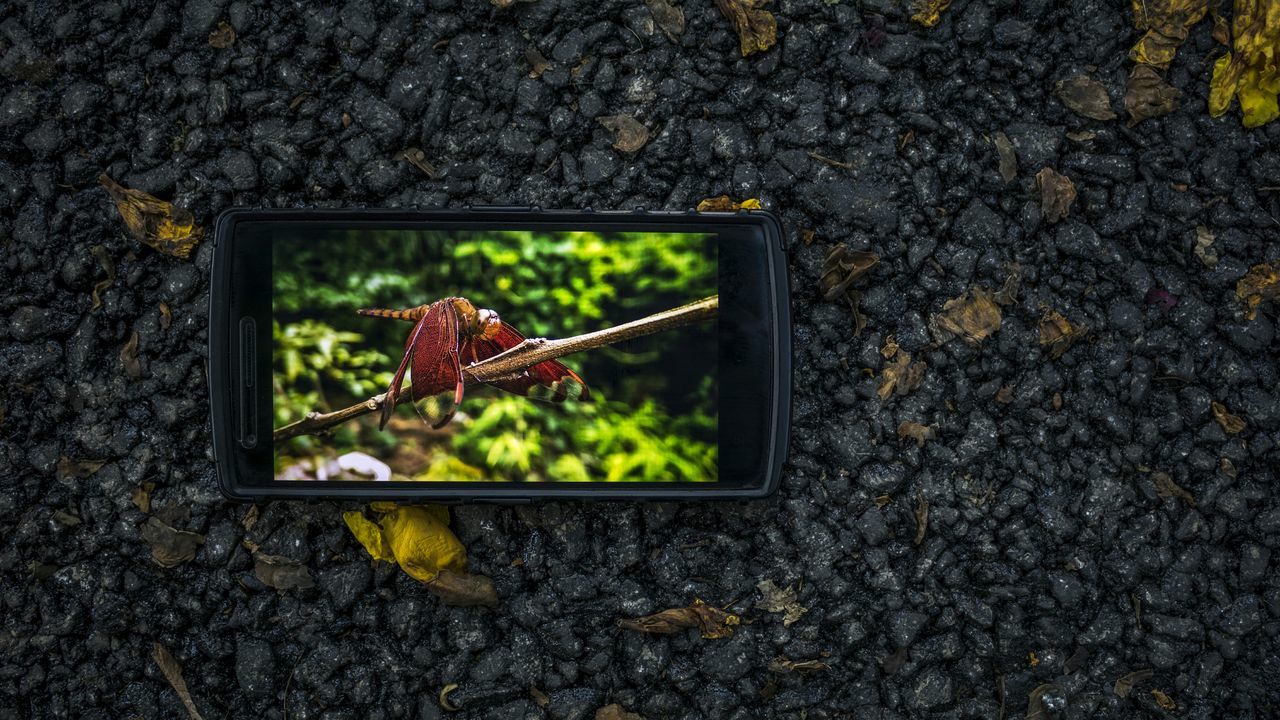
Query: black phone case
219	360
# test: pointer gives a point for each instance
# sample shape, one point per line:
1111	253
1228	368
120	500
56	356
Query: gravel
1047	538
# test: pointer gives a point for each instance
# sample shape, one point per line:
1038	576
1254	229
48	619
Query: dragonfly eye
490	323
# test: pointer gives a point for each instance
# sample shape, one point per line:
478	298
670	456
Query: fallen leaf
1166	487
223	36
250	518
781	664
778	600
462	589
1164	701
1086	97
159	224
417	158
1248	72
928	12
66	519
166	315
1204	246
1008	159
170	547
443	697
712	622
1036	706
281	573
1262	282
538	63
859	320
109	267
973	316
1231	424
1057	401
173	673
1056	194
842	267
1008	293
129	357
915	431
807	235
901	376
1032	659
629	135
1166	24
141	496
417	537
1126	683
69	469
724	203
757	28
1057	334
668	18
890	347
1081	135
1147	95
922	518
616	712
882	500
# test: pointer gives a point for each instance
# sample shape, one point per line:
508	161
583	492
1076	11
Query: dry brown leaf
928	12
629	134
915	431
173	673
1166	23
69	469
1081	135
463	589
890	347
250	518
616	712
882	500
443	697
171	230
712	622
756	27
841	268
281	573
973	316
922	518
1126	683
1036	709
170	547
778	600
724	203
1204	246
1164	701
900	376
1057	333
1231	424
538	63
166	315
1008	293
417	158
668	18
781	664
129	357
1166	487
141	496
1056	194
807	235
223	36
1147	95
109	267
1262	282
1008	159
539	697
1085	96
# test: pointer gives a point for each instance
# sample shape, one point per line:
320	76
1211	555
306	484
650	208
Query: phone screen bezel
755	378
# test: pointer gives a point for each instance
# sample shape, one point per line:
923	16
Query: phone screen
359	312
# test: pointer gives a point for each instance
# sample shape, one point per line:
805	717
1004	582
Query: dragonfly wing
436	367
548	380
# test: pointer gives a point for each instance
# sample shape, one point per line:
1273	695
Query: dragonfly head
488	323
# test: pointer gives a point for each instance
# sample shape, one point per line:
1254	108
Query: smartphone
498	354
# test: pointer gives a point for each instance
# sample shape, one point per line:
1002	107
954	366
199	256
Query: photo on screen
351	307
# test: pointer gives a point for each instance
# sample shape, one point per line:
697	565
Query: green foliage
654	412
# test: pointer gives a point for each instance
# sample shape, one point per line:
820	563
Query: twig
521	357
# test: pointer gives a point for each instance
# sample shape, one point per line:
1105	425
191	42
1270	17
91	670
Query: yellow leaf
417	537
928	12
1167	23
757	28
157	223
1250	72
724	203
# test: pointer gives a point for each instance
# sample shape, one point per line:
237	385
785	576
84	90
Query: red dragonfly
452	333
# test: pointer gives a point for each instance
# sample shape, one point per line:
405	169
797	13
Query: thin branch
521	357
